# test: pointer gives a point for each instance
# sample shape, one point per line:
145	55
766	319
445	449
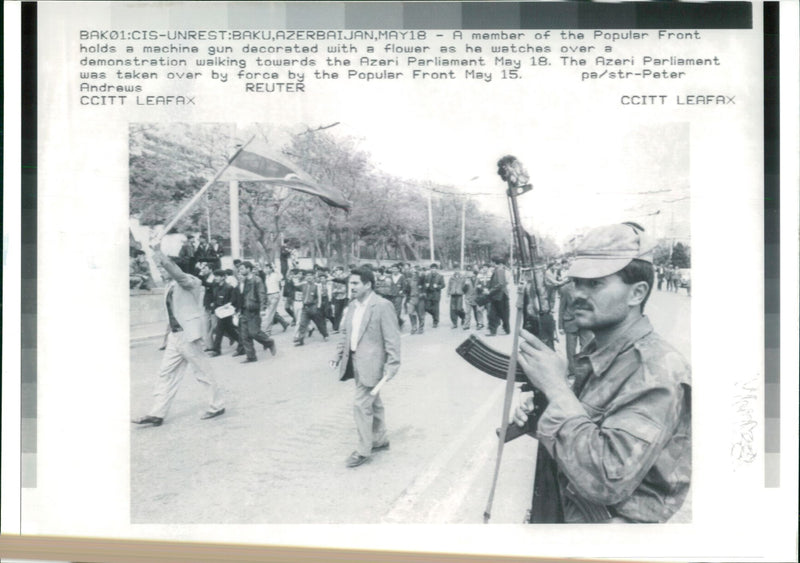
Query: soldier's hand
333	364
545	369
524	408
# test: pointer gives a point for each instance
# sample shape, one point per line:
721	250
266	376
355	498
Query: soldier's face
601	303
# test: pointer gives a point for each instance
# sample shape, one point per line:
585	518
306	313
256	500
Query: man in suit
368	352
183	300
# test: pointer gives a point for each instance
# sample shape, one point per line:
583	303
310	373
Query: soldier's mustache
581	304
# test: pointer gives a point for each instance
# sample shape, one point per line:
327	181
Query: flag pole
203	190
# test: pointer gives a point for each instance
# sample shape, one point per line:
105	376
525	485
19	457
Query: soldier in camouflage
621	435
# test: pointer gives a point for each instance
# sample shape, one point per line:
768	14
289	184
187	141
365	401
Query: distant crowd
672	279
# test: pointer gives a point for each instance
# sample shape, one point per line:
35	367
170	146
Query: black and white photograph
405	278
245	329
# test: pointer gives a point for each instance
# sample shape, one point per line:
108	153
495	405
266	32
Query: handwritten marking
742	450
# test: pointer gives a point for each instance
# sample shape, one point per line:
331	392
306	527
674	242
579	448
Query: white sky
582	175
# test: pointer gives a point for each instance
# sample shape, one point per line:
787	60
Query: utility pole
208	220
233	195
463	229
430	224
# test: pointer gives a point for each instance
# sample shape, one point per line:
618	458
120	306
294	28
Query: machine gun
477	353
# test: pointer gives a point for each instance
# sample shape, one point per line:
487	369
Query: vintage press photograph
327	328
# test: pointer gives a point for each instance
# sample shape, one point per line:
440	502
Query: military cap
607	250
221	273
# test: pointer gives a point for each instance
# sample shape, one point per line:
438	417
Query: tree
661	252
680	256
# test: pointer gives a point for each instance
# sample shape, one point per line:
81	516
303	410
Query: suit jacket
187	300
378	349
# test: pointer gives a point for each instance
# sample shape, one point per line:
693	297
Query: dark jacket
253	295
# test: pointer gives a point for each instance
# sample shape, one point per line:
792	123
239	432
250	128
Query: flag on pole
256	163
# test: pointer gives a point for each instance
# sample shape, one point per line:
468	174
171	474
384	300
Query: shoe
285	326
310	332
454	326
265	345
208	349
151	420
298	342
249	360
214	353
466	327
413	331
421	331
480	327
491	334
435	325
272	349
210	414
381	447
162	347
324	338
356	459
238	353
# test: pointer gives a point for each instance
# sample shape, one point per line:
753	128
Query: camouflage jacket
623	444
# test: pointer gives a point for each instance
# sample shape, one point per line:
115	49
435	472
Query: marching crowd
248	302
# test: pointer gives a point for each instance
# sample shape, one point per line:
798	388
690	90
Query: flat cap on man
607	250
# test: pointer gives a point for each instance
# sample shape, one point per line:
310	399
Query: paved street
277	455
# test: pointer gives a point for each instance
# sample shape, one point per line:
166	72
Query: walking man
369	353
183	300
312	310
273	285
338	296
434	283
252	303
455	289
223	294
415	299
498	298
